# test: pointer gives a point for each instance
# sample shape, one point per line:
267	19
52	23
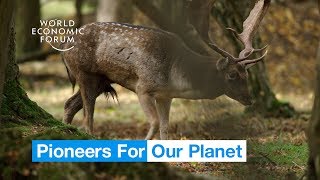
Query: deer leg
71	107
163	109
147	103
91	87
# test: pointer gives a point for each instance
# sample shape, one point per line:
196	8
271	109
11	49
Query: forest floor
276	147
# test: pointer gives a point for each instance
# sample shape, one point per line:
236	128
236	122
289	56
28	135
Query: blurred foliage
292	32
63	9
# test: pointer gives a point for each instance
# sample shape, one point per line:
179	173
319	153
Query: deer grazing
157	66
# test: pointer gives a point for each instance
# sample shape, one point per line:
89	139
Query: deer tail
110	91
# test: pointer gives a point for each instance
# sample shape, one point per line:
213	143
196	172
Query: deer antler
250	27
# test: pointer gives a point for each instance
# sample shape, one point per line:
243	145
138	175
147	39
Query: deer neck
196	76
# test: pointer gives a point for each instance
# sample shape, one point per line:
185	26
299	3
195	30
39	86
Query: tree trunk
6	14
15	103
27	17
314	126
114	11
78	6
230	13
314	129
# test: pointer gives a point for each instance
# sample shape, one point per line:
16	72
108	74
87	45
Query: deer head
235	68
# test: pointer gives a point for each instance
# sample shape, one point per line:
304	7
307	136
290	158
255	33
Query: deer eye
232	75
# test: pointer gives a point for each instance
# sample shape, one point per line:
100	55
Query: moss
62	171
16	103
281	109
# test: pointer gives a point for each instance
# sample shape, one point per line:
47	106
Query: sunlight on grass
58	9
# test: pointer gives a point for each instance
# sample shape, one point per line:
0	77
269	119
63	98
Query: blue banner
139	151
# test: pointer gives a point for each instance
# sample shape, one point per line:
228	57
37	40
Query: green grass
281	153
58	9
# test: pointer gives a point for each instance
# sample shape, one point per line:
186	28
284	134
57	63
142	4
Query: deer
157	66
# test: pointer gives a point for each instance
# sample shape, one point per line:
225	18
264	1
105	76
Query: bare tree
111	10
6	14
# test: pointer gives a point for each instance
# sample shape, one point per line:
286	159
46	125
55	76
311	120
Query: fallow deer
157	66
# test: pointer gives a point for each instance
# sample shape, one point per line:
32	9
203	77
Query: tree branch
181	27
153	13
200	10
36	56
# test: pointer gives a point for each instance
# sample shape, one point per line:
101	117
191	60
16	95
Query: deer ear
222	64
